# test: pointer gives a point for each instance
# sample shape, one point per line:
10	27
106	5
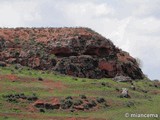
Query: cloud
142	38
145	8
18	13
133	25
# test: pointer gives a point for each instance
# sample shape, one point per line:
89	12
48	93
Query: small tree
139	62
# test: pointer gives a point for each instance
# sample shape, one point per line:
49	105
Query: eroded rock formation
78	52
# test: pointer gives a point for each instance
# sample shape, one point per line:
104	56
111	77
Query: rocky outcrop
78	52
71	104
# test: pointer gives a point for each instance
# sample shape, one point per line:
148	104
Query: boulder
122	79
124	93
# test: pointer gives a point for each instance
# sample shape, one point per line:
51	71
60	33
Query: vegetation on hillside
22	87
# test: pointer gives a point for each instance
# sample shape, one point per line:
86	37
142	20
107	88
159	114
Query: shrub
2	44
42	110
129	104
100	100
32	41
83	97
93	103
69	97
66	104
139	62
78	102
16	41
40	79
86	106
52	56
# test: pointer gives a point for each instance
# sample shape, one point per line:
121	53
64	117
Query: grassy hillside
46	85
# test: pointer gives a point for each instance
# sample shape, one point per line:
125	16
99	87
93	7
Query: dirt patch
54	85
14	78
9	77
155	92
49	84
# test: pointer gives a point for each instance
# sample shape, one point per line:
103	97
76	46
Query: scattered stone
122	79
48	106
156	84
18	67
39	105
80	107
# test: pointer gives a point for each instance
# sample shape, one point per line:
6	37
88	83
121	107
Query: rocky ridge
79	52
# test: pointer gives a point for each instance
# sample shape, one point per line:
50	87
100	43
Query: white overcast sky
133	25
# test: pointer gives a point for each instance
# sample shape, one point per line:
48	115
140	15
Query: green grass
29	84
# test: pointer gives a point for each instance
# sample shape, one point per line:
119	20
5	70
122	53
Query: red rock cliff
77	52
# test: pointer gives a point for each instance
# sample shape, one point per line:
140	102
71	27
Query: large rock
122	79
77	52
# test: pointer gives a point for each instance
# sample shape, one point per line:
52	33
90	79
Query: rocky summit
79	52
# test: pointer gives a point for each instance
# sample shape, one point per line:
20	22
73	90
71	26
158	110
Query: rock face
79	52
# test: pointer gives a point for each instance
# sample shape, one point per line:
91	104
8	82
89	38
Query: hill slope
44	95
